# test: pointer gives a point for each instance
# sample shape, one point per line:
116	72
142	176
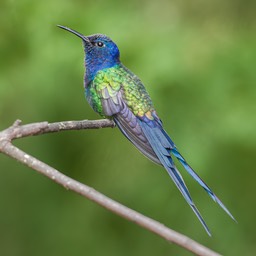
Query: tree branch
18	131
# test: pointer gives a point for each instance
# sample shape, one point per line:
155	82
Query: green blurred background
197	60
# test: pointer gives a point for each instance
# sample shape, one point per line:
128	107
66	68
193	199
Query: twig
18	131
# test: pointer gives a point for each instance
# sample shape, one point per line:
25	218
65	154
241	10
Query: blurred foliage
197	59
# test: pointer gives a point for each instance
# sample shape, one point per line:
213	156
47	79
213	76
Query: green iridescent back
115	79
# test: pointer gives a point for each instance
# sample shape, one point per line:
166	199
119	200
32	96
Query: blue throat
96	61
94	65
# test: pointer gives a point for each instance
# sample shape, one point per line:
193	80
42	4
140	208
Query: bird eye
100	44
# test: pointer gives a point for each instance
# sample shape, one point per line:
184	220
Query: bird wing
114	106
129	125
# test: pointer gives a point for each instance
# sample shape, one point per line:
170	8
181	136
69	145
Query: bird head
100	52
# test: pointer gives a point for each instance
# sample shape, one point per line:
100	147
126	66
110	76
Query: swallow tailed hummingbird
114	92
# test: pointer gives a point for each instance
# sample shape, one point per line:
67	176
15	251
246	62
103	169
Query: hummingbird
114	92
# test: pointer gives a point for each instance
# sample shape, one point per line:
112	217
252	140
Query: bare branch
18	131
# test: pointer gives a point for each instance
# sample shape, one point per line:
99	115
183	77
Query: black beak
84	38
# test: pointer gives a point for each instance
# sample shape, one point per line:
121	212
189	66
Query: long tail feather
163	154
200	181
195	176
